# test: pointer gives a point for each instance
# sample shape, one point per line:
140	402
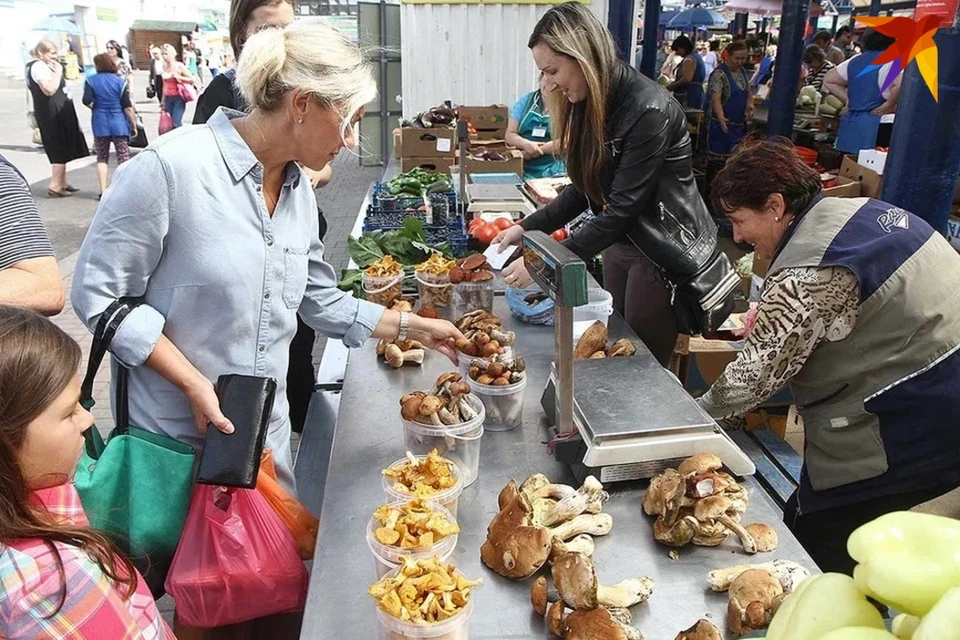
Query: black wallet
233	460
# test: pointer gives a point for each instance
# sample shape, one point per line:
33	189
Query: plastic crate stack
453	232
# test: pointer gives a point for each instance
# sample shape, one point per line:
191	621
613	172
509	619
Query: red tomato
503	223
560	234
476	222
486	233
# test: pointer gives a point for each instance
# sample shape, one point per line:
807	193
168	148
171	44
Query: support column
622	21
924	160
740	24
651	38
875	7
836	19
787	76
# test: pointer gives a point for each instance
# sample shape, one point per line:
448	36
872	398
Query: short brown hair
758	169
737	45
240	11
104	63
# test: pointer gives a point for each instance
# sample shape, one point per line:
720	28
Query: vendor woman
730	101
528	129
629	159
855	319
691	73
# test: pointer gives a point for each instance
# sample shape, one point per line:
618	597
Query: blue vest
858	127
691	96
108	117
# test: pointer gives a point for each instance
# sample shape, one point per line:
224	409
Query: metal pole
787	76
621	21
385	127
875	6
651	39
836	19
740	24
924	159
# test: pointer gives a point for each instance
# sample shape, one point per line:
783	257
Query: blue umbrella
696	17
53	24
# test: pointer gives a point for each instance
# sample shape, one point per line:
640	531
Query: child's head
41	420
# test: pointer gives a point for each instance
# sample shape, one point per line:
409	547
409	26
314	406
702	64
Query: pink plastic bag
166	122
235	562
187	91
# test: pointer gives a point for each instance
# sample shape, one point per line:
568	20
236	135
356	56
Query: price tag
496	259
443	145
539	132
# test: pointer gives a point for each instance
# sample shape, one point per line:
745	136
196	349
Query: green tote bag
136	487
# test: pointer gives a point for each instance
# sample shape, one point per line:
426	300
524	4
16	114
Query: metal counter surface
369	437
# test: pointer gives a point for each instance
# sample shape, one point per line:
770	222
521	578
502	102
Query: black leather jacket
652	201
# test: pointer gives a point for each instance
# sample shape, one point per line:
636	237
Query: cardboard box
513	165
438	164
845	188
873	160
871	183
397	144
428	143
490	122
953	231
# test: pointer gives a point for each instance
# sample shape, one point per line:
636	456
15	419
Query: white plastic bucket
458	443
387	557
599	307
447	498
454	628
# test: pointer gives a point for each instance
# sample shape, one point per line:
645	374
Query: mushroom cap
501	382
576	580
593	624
450	376
764	535
662	488
508	494
555	618
460	388
755	585
430	405
700	463
514	548
622	347
382	346
538	595
712	507
678	534
393	355
410	407
702	630
598	355
534	482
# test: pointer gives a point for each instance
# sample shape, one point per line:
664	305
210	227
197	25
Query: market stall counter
370	437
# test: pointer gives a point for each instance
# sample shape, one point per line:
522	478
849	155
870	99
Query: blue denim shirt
185	225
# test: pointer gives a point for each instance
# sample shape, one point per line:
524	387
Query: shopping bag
166	122
301	524
135	487
188	91
236	561
139	141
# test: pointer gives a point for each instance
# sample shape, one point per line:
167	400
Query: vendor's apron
858	127
691	96
535	126
722	142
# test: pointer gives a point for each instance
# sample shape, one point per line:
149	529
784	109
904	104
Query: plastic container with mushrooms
473	284
414	528
429	476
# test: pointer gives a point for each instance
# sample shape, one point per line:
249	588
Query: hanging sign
945	8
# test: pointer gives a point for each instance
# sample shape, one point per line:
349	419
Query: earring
777	219
300	121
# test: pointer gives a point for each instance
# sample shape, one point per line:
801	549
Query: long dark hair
116	47
37	362
572	30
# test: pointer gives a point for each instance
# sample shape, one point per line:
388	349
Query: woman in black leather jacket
629	157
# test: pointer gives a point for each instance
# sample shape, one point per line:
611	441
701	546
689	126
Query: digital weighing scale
618	418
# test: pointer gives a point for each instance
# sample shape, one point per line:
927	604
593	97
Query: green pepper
822	604
907	560
858	633
943	621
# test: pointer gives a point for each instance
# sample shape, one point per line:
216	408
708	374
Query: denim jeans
175	106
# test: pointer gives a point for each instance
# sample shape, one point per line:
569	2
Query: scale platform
497	197
635	420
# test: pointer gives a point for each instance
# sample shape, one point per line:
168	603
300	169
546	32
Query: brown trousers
641	296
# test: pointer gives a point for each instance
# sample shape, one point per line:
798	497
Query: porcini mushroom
515	547
593	339
410	406
664	496
718	508
598	355
764	536
382	347
595	524
678	534
752	598
576	581
555	618
699	463
541	596
598	624
580	544
787	572
429	407
622	347
574	504
702	630
396	358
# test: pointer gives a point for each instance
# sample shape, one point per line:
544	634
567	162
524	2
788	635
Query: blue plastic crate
454	232
408	201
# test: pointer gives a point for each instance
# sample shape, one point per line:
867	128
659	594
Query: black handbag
139	141
151	91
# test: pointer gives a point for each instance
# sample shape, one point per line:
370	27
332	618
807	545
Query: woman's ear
299	104
776	205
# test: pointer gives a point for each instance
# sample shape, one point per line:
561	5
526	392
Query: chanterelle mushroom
752	597
576	581
702	630
597	624
515	547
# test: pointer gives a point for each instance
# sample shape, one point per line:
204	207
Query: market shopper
629	157
711	58
175	73
156	72
528	129
817	67
687	86
115	51
729	101
868	119
114	120
247	17
854	318
56	116
833	53
227	253
764	71
61	579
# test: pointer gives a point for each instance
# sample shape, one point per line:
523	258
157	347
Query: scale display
558	271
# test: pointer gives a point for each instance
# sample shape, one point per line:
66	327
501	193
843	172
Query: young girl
58	577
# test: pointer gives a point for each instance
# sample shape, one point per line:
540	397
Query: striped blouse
22	235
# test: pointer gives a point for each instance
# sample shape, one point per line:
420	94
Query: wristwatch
404	326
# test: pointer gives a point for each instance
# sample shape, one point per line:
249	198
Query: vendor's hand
507	238
205	407
531	150
724	125
516	275
749	113
439	335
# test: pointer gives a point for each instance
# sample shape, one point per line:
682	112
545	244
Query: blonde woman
174	74
226	250
628	154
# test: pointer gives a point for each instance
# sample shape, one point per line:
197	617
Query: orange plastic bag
301	524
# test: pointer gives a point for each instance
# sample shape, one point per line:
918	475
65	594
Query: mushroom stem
625	593
576	503
503	337
595	524
553	491
746	540
447	418
580	544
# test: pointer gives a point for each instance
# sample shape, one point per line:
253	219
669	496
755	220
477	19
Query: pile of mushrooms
593	344
482	334
473	268
698	502
756	591
443	405
539	520
400	352
599	612
499	370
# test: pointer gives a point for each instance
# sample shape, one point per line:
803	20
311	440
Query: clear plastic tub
383	290
460	443
455	628
387	558
470	296
436	291
599	307
447	498
504	405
